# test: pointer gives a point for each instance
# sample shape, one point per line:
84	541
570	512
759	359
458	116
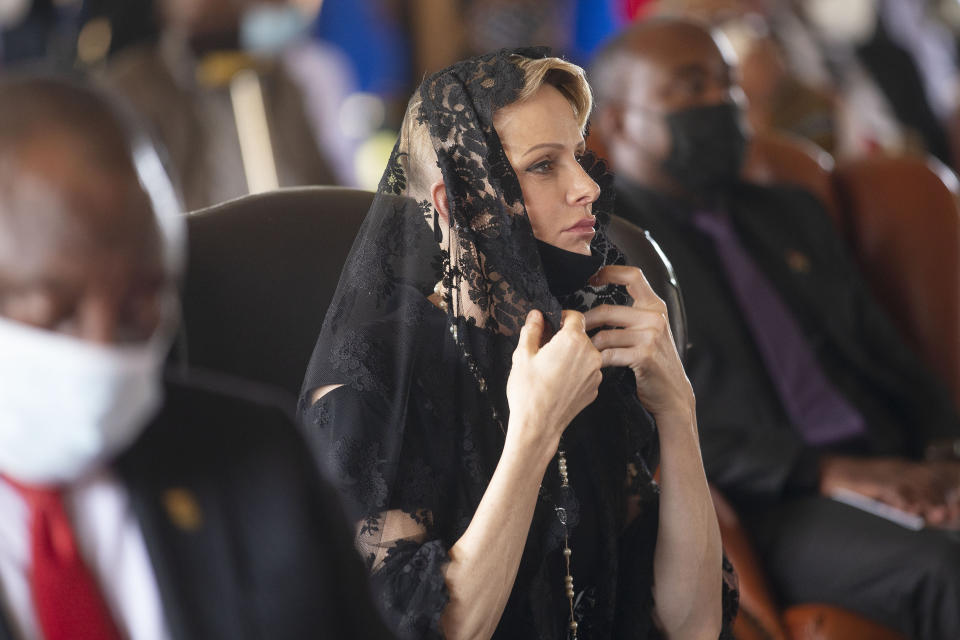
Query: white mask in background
67	405
12	12
843	21
270	28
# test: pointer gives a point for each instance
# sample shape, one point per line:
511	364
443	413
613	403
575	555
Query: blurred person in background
777	100
884	105
238	97
826	71
38	33
862	120
134	506
804	389
917	27
877	31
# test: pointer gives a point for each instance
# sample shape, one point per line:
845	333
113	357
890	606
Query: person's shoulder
212	411
200	390
777	197
638	204
213	430
789	217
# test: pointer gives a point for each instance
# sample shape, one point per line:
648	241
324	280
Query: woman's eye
544	166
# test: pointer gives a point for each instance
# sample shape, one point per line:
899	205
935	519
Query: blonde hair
569	79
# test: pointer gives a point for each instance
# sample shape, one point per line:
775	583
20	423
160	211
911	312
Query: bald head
74	218
648	72
33	108
656	53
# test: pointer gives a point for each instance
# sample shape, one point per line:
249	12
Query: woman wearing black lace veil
502	486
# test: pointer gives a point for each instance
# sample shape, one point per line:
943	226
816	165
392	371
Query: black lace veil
420	334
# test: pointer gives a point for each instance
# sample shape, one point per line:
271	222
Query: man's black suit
750	448
268	554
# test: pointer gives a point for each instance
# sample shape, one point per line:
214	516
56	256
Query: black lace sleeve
397	539
731	599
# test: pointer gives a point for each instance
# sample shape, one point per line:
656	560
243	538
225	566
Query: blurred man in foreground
241	100
804	390
131	507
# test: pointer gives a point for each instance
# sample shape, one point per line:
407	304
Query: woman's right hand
550	385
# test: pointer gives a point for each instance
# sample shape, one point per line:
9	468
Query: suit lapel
820	301
171	593
805	281
188	538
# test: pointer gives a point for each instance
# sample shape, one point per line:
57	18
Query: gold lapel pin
183	509
798	261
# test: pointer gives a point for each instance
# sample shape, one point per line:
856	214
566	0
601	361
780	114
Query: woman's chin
583	248
572	245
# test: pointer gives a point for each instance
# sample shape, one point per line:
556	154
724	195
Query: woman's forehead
546	117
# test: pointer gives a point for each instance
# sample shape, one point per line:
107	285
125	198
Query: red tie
66	599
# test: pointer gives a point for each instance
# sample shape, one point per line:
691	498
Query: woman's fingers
611	315
621	338
633	279
550	384
531	333
620	357
571	320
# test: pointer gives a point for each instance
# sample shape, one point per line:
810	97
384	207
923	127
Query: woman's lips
584	226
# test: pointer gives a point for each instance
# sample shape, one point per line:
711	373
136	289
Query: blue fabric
374	41
594	21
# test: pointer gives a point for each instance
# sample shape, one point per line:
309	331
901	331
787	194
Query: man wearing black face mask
804	390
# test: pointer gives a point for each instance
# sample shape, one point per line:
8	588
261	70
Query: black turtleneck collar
567	271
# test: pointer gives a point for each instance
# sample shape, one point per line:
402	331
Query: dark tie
822	415
66	600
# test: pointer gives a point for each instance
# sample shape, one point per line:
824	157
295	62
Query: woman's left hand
639	337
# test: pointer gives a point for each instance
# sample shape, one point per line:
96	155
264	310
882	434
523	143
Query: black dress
421	336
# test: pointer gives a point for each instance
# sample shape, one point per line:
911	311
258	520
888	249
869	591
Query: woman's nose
584	190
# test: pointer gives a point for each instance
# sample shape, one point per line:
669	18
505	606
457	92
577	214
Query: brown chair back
262	271
826	622
759	615
904	229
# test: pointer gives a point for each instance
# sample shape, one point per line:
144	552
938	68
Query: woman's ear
438	193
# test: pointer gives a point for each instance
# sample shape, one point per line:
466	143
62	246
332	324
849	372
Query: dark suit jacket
245	539
750	449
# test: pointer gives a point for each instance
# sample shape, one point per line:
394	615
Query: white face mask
67	405
843	21
270	28
12	12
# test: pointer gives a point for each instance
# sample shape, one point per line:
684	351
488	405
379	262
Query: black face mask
567	271
708	148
